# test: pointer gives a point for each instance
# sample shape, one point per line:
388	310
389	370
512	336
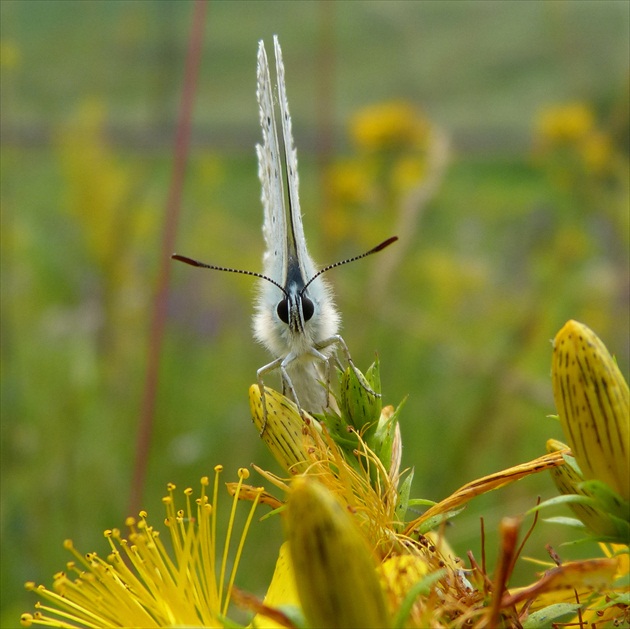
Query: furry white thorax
278	337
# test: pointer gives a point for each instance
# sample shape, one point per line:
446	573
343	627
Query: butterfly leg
272	366
287	383
338	340
323	377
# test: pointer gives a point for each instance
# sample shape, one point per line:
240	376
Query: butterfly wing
267	328
325	322
306	373
270	175
286	260
297	240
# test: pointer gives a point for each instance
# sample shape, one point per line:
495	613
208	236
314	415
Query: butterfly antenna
203	265
376	249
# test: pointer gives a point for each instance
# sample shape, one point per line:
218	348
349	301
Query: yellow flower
355	453
597	152
354	560
389	126
350	182
10	55
282	592
141	583
344	580
408	172
593	404
348	500
565	123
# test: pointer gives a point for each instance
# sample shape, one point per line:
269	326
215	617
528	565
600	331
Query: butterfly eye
308	309
283	311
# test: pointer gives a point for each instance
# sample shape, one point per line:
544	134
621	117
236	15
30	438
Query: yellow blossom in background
107	204
397	159
350	181
578	153
141	583
388	126
407	172
571	243
10	55
351	186
99	189
565	123
597	152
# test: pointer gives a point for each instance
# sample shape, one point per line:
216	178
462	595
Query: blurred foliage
497	153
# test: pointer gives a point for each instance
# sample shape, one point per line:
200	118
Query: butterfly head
295	309
295	316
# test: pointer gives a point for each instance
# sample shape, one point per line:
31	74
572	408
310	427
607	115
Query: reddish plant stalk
159	309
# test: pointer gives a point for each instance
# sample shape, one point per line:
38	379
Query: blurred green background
512	198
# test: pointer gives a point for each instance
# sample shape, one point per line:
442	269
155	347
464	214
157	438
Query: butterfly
295	318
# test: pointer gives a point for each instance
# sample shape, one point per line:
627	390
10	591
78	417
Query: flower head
386	126
141	583
566	123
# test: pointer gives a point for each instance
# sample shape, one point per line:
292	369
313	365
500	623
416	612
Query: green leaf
551	616
436	520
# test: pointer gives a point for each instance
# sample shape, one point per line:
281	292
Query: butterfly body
296	325
295	317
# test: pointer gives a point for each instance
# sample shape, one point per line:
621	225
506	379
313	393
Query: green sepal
403	498
600	523
608	499
360	401
551	616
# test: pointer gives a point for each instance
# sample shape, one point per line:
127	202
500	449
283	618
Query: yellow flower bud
592	400
335	572
284	433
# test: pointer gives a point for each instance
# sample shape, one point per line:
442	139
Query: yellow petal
281	590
